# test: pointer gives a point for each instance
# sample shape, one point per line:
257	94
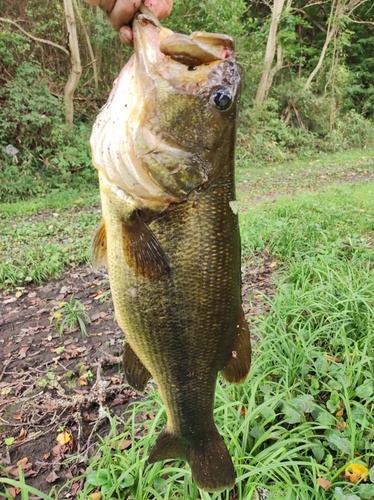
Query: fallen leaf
52	477
76	486
340	413
18	294
341	425
115	380
124	444
72	445
120	399
22	435
88	417
22	352
57	451
96	495
13	492
324	483
356	472
24	462
63	438
25	465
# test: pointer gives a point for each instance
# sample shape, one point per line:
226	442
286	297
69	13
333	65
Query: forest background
307	67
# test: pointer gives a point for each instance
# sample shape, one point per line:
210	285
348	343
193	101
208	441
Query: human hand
121	12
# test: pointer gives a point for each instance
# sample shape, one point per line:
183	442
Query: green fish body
164	147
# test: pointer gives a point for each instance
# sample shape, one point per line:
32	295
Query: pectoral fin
239	361
136	373
99	247
142	250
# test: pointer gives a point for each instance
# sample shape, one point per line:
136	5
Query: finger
123	13
126	35
160	8
106	5
94	3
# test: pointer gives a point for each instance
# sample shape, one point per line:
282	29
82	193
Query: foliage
32	121
267	140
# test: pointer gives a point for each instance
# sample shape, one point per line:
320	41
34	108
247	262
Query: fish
164	147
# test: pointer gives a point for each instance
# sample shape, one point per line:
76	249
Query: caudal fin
209	459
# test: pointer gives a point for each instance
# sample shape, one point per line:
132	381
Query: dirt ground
53	383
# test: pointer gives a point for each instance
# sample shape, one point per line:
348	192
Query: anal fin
239	362
142	250
209	459
136	373
99	247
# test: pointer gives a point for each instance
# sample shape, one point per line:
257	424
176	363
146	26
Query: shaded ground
54	386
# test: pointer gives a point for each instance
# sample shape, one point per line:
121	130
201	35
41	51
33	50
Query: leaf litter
56	388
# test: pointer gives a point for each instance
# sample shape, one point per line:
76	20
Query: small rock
11	150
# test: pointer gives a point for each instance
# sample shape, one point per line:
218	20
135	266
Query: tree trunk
338	9
75	61
89	46
99	45
270	51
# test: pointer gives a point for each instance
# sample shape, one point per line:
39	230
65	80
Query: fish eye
222	99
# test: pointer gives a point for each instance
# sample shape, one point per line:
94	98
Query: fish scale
174	259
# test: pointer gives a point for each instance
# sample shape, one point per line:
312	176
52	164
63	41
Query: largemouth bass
164	147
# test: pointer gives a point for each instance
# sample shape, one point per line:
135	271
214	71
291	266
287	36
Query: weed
9	441
69	316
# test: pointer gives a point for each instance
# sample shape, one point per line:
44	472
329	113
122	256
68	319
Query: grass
71	315
300	176
305	412
40	239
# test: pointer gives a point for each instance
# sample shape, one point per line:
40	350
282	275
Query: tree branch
353	20
41	40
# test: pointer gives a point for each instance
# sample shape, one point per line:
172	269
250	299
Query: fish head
191	87
169	125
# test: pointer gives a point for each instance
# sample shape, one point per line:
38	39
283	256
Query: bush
264	134
32	120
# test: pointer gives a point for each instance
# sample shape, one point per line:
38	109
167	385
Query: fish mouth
155	44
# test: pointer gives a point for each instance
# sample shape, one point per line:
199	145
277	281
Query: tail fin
209	459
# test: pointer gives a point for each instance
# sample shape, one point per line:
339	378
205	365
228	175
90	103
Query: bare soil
52	383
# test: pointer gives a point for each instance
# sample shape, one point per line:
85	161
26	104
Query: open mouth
153	42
